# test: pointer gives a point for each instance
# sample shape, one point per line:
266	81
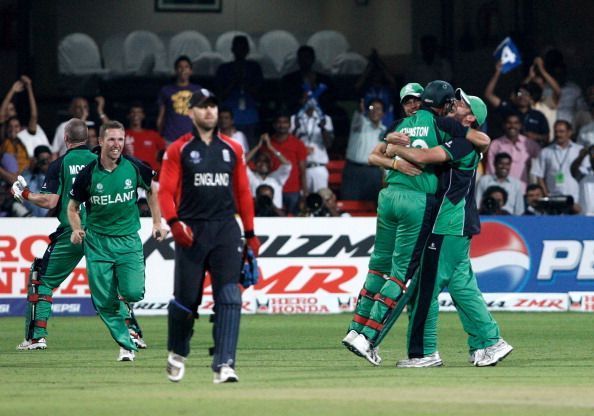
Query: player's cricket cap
477	106
411	89
437	93
202	97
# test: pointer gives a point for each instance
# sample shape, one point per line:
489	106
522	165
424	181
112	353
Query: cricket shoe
493	354
347	341
126	355
34	344
225	375
432	360
137	339
475	355
176	367
361	346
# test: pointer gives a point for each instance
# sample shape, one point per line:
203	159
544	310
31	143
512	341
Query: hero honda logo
499	257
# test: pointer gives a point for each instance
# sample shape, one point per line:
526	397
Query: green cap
411	89
477	106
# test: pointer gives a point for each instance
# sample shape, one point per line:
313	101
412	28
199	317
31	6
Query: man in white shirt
316	131
513	186
361	181
79	108
553	166
582	170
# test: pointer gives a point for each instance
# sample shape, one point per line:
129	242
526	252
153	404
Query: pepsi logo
499	257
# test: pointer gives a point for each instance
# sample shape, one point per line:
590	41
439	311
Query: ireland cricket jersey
60	177
110	197
458	213
425	131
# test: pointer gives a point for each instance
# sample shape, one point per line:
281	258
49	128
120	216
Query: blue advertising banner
534	254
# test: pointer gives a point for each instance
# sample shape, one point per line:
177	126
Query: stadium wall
318	265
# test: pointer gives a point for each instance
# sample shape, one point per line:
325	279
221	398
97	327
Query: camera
315	207
489	206
555	205
264	207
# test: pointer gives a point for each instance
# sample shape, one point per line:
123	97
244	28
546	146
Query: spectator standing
501	178
227	127
545	104
361	181
553	169
33	135
144	144
238	85
263	172
521	149
35	177
173	120
79	108
316	131
584	174
295	189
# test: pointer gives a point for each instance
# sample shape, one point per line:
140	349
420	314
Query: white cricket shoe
492	355
176	367
125	355
225	375
432	360
34	344
361	346
137	339
347	341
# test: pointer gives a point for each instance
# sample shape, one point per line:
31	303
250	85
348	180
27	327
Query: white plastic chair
277	45
113	53
224	41
78	54
144	53
349	63
328	44
207	64
189	43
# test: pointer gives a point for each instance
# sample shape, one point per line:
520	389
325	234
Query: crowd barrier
318	265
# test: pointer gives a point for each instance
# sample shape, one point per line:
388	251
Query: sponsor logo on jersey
113	199
211	179
448	144
100	188
226	155
195	157
128	184
499	257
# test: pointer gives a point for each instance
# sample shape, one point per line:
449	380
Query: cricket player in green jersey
115	261
406	209
446	258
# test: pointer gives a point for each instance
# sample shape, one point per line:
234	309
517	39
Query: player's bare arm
479	140
78	233
158	231
378	157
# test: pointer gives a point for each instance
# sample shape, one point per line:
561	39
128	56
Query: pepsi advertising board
318	265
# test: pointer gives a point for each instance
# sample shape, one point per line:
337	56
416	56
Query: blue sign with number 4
507	52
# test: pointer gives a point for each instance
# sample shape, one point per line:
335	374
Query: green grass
295	365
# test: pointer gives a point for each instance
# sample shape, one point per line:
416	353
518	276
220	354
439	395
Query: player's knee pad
179	312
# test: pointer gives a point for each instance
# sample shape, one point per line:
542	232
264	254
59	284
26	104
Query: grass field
295	365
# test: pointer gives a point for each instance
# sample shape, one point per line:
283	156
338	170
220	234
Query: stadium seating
144	53
277	45
358	208
223	44
112	50
348	63
189	43
335	168
78	54
328	44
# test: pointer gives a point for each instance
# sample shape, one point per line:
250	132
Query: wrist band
26	193
172	221
394	164
249	234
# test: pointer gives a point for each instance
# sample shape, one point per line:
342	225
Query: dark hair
533	187
262	187
41	149
512	114
13	118
494	189
377	100
502	155
112	124
533	89
136	104
182	58
226	110
76	130
567	124
280	114
306	49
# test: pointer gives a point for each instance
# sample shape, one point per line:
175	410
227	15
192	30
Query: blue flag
507	52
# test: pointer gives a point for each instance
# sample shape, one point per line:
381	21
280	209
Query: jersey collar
101	166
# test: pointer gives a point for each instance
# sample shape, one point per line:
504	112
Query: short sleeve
52	178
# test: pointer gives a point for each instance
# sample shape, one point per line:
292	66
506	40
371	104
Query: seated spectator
79	108
322	204
585	136
553	167
315	130
295	85
12	145
377	83
493	201
238	87
360	181
263	172
33	135
227	127
534	194
584	174
8	168
172	120
521	149
513	186
264	205
533	123
330	203
35	177
144	144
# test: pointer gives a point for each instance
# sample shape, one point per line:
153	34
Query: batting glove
182	234
19	189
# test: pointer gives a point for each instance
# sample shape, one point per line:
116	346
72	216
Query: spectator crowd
543	163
